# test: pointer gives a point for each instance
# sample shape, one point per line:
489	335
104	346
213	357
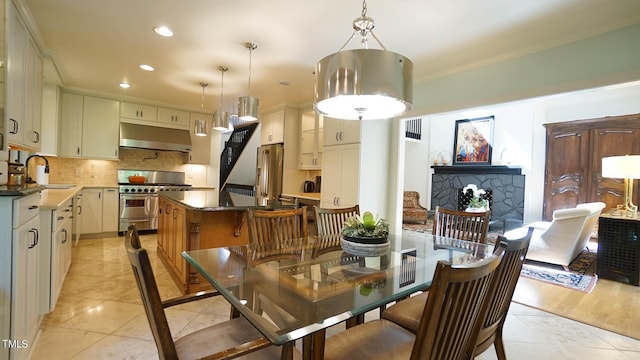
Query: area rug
574	277
491	236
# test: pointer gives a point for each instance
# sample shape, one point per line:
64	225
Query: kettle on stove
309	186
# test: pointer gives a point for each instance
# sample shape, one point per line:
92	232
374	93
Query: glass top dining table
299	288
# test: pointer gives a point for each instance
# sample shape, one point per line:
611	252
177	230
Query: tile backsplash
104	172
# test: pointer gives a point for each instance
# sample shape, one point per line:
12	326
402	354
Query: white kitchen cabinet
54	256
91	211
89	127
24	79
138	111
100	128
99	210
311	134
200	145
50	119
340	176
110	203
77	216
272	127
19	229
338	132
177	118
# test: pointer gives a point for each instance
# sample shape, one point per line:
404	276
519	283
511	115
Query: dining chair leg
499	346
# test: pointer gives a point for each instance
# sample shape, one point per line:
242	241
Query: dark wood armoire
574	155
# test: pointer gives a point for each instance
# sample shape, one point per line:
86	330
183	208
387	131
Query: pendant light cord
364	26
204	85
251	46
222	69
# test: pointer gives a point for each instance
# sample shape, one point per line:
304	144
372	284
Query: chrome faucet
26	168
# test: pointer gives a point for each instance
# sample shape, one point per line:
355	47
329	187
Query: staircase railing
233	148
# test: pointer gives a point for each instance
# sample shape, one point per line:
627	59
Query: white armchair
561	240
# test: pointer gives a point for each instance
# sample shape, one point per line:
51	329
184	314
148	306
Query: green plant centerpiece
366	229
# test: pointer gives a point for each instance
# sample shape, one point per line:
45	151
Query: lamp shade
248	108
221	120
200	128
363	84
621	167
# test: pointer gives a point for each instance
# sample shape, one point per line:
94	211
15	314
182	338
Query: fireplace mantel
478	169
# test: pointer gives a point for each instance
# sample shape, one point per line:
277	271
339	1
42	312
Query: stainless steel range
139	202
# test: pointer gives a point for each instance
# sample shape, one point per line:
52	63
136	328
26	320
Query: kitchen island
201	219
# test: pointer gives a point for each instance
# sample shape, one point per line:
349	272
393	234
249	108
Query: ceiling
97	44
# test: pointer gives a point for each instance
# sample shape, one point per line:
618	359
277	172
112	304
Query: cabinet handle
15	127
64	231
33	207
35	237
60	217
340	135
37	137
78	150
337	138
79	209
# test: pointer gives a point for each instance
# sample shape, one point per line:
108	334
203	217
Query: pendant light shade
221	118
363	84
248	105
200	126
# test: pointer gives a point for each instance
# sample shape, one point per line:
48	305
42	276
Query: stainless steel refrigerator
269	173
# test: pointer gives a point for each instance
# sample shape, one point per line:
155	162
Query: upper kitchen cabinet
89	127
338	132
272	124
200	145
138	112
173	117
311	134
24	78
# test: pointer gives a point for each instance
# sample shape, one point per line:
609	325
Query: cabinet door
33	103
179	218
24	304
91	211
340	173
310	141
110	216
565	179
272	125
16	73
70	142
100	128
173	117
337	132
138	111
610	142
200	145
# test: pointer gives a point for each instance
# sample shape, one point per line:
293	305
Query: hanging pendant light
200	127
248	105
221	118
363	83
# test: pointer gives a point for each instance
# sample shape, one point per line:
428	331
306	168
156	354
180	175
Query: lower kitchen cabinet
54	254
19	269
172	237
99	210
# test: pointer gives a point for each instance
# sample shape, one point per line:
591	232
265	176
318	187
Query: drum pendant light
365	83
248	105
200	127
221	118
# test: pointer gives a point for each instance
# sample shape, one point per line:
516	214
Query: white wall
417	157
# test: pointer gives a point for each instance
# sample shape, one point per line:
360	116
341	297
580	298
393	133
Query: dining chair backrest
455	303
501	293
331	221
470	226
150	296
276	233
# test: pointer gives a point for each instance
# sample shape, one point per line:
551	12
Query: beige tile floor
99	316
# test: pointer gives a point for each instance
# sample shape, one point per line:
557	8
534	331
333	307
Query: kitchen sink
59	186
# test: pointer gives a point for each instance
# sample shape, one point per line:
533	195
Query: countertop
308	196
20	190
52	198
213	200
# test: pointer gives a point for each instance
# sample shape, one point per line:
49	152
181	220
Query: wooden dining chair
470	226
407	313
276	234
447	327
226	340
331	221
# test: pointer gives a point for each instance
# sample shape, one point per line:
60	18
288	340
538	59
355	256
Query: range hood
155	138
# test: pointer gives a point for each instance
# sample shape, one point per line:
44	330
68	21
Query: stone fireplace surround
505	182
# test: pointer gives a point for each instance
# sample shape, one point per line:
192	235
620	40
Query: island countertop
214	200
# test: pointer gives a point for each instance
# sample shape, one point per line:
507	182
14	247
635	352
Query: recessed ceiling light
146	67
125	85
163	31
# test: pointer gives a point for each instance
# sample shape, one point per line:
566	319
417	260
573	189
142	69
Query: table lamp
625	167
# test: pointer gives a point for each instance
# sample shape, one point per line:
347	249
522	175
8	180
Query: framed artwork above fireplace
472	144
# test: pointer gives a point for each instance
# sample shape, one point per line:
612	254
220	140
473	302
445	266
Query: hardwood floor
612	305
